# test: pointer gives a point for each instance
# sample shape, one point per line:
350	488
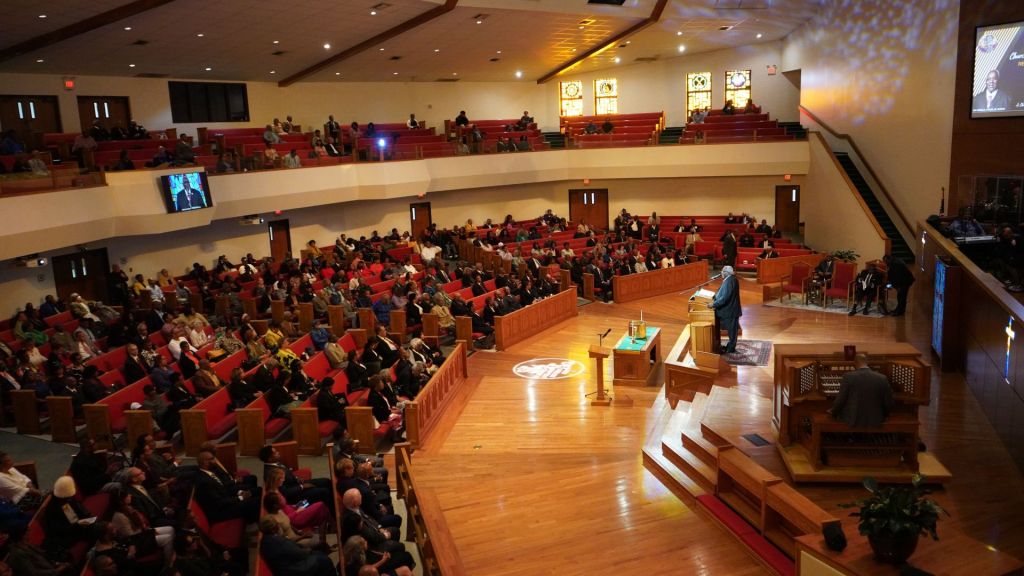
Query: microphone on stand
703	284
600	337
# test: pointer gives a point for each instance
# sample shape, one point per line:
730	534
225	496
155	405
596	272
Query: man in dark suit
823	271
135	368
991	99
222	498
187	198
727	307
729	249
287	558
355	522
901	279
865	397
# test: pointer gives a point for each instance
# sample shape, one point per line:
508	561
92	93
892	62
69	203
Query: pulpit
707	334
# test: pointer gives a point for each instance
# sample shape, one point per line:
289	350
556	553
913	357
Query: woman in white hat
65	520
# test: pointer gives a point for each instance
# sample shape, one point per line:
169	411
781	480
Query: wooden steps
700	472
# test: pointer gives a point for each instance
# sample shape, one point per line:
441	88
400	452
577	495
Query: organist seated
865	397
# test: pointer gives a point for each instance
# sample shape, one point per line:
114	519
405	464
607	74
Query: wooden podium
599	353
700	313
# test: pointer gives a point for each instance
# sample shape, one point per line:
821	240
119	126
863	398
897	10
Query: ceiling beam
384	36
659	7
78	28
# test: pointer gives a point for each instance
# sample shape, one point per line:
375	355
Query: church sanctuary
511	287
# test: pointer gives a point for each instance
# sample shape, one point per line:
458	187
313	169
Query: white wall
884	73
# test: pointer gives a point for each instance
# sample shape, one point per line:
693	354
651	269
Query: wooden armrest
28	468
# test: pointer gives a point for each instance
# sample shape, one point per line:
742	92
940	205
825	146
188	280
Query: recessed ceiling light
42	15
582	27
208	69
498	51
131	65
381	49
759	35
617	60
628	42
394	73
127	28
679	33
479	21
437	50
519	73
455	73
40	61
337	73
327	46
682	48
273	71
277	41
373	12
200	35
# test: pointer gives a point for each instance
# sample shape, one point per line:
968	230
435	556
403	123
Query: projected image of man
991	98
189	198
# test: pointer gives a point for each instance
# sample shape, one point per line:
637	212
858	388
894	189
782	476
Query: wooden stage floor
534	480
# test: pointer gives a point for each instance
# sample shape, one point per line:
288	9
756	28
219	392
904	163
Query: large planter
893	549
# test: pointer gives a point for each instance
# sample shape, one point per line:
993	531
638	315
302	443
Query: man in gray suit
865	397
727	307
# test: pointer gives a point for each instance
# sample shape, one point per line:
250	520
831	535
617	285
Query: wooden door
83	272
787	209
280	240
30	117
419	218
590	206
109	110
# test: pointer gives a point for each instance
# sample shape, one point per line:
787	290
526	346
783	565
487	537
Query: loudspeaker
835	539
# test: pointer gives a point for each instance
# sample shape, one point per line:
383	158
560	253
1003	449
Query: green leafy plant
845	255
897	510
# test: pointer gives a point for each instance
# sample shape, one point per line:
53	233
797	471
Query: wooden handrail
424	412
856	195
853	144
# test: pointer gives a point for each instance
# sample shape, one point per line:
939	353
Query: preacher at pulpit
727	307
865	397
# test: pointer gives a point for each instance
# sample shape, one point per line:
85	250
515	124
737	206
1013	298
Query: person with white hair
727	307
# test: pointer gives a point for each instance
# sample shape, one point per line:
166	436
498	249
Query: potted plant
894	516
845	255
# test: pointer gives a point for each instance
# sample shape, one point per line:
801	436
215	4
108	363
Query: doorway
109	110
30	117
590	206
83	272
419	218
280	240
787	209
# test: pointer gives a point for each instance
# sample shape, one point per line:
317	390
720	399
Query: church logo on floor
548	369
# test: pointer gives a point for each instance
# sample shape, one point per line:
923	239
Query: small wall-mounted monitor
186	191
998	82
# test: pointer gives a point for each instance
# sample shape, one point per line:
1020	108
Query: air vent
495	59
395	58
646	59
447	80
607	2
140	42
152	75
277	52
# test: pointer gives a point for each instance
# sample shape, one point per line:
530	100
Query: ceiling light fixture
42	15
394	73
617	60
208	69
582	27
759	35
337	73
277	42
436	50
519	73
131	65
455	73
381	49
628	42
327	46
682	48
373	12
479	21
679	33
40	61
497	52
200	35
273	71
127	28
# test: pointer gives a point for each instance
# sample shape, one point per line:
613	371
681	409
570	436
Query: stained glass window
606	96
698	91
570	98
737	87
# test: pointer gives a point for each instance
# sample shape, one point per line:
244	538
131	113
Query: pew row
427	526
533	319
656	282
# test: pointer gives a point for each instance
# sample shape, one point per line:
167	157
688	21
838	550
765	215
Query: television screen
998	89
186	191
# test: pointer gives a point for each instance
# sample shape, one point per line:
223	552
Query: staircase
556	139
794	128
900	249
671	135
682	457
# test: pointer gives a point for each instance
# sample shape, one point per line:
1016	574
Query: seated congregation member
729	109
356	372
65	521
135	367
196	555
308	539
823	271
768	252
607	127
386	347
362	561
865	397
865	287
345	448
355	522
205	381
17	488
286	558
294	489
131	525
89	468
330	406
220	497
313	515
24	559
